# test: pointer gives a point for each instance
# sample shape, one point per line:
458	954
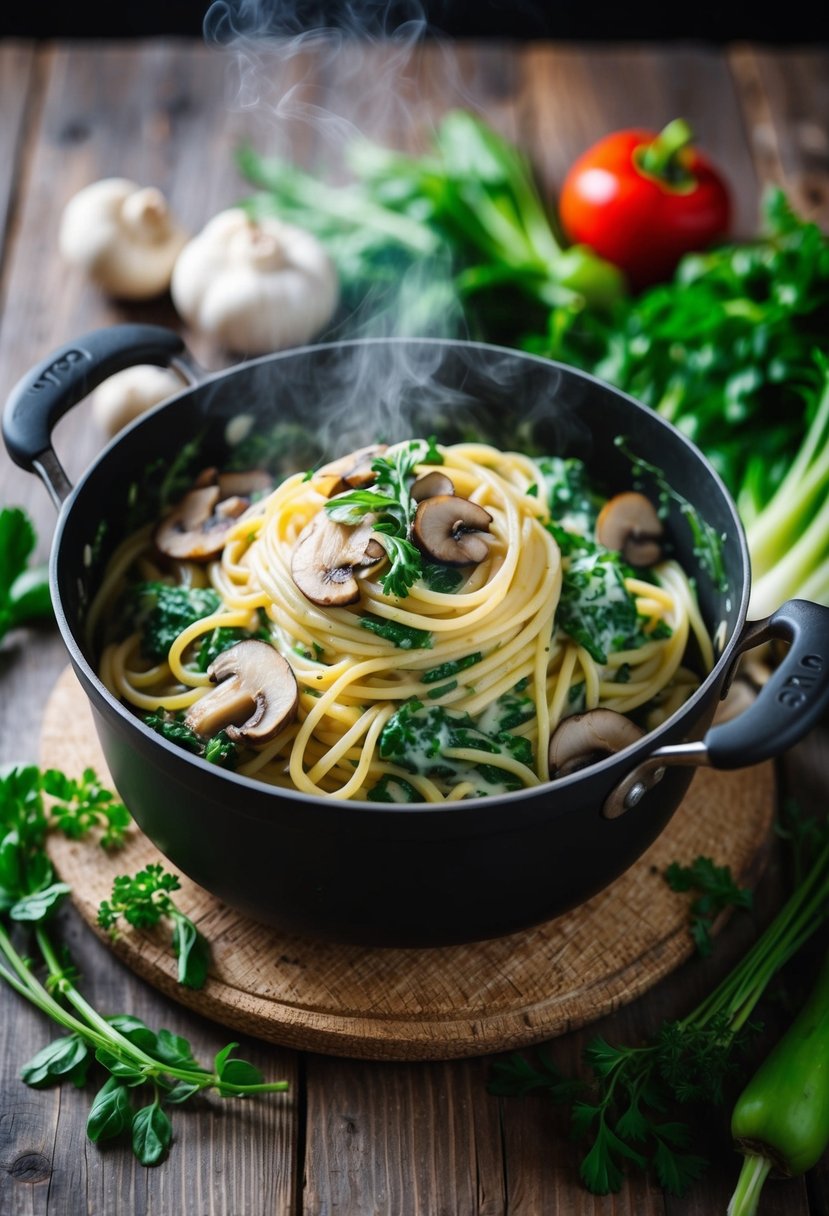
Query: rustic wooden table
354	1136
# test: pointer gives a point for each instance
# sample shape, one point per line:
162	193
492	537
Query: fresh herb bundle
630	1109
136	1059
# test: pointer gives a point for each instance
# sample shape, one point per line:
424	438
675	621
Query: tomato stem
662	157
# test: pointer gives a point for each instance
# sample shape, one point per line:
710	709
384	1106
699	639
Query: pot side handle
65	377
791	702
794	698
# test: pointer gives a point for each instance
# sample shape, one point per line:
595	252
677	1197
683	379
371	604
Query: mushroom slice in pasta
256	694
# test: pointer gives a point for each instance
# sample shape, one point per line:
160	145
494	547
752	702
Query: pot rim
628	757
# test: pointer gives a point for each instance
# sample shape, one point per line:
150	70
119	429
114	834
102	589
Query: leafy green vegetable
715	890
627	1106
725	350
133	1056
573	502
24	592
162	611
217	750
595	608
460	236
418	738
143	900
451	668
404	637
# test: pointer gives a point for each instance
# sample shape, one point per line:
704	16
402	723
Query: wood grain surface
354	1136
421	1004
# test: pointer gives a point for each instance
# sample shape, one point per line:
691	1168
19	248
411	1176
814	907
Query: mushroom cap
431	484
629	524
197	527
351	472
325	557
447	528
256	695
584	739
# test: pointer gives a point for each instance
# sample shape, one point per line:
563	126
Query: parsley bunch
137	1060
628	1107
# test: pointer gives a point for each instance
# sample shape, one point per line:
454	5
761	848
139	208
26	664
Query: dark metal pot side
374	873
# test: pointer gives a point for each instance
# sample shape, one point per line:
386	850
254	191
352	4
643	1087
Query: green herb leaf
152	1133
62	1059
111	1112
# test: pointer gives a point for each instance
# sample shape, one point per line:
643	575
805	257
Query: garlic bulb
254	286
122	397
123	236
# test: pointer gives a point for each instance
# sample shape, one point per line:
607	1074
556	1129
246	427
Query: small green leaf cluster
715	890
136	1058
627	1105
390	501
595	607
161	611
139	1059
24	590
143	900
219	749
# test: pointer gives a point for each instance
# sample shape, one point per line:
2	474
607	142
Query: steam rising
312	79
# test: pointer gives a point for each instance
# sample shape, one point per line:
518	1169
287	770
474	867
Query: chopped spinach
393	789
417	738
571	499
443	579
451	668
218	750
595	608
162	611
404	637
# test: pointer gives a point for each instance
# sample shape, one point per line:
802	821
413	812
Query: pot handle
790	703
65	377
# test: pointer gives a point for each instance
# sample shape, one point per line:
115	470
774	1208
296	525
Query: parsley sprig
715	890
144	900
628	1106
390	501
147	1072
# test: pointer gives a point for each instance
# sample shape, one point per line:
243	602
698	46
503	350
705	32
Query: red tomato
642	199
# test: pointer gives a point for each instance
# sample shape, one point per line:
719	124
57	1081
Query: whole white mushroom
123	236
126	394
254	286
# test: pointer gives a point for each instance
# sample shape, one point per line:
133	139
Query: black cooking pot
375	873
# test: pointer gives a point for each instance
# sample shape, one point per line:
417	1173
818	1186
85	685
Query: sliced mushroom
194	530
245	483
325	557
628	523
584	739
431	484
351	472
256	695
448	528
374	555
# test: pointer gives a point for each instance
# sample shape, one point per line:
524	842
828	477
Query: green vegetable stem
780	1121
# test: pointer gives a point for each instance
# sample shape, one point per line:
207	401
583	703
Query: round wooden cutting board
425	1004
